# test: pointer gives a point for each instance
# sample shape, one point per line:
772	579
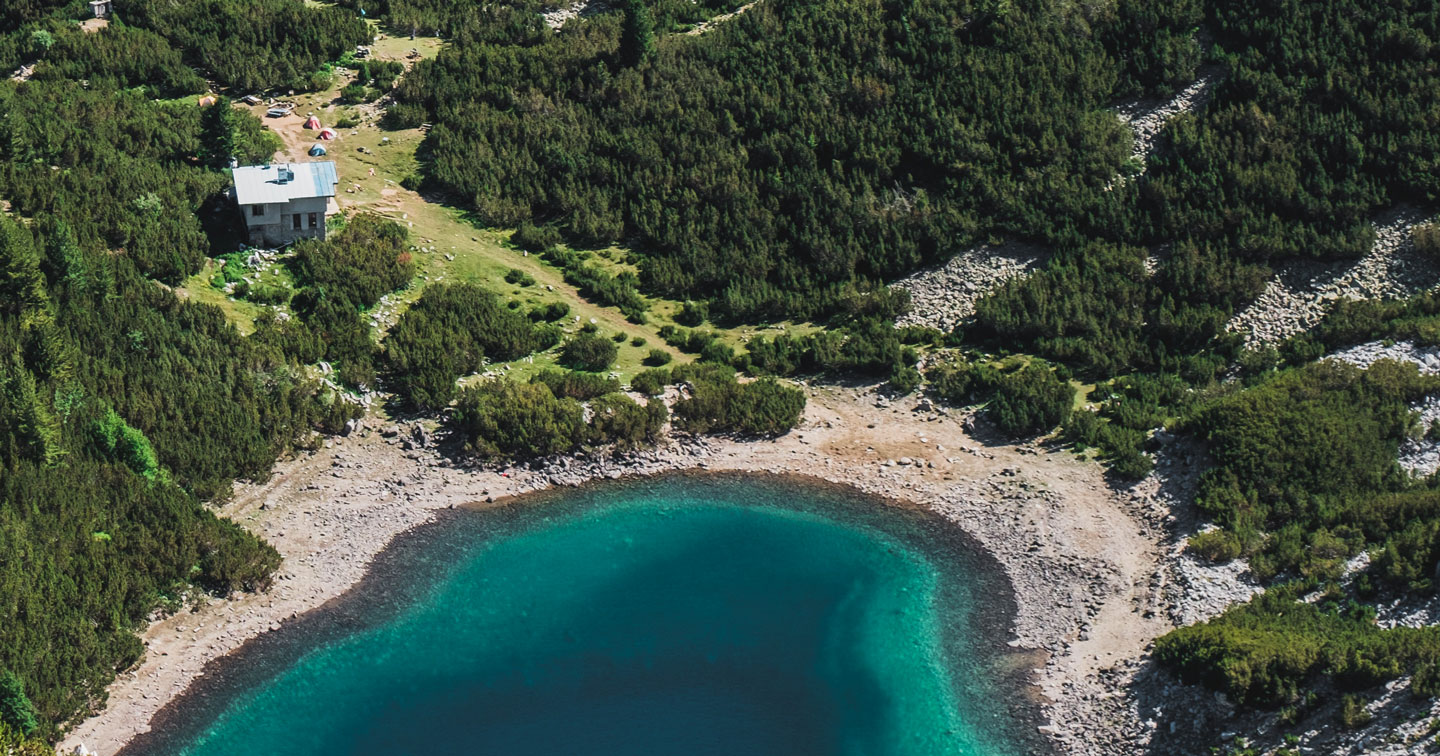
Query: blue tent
317	150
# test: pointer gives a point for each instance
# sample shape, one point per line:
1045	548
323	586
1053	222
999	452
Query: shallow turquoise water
686	616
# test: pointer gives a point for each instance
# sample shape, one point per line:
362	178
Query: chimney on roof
286	175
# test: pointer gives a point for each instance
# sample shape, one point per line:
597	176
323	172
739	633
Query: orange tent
312	122
206	101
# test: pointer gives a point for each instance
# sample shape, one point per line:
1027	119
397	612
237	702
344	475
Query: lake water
684	615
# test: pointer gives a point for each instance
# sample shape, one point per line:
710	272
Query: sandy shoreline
1090	565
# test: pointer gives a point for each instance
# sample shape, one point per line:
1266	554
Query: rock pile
1365	355
1146	117
1200	589
1421	456
943	296
1301	292
557	17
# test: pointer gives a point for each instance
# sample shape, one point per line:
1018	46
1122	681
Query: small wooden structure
101	8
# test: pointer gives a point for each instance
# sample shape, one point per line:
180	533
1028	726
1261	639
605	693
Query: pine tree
217	145
637	37
22	285
26	415
15	708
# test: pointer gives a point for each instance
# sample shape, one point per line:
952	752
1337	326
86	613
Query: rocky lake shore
1097	569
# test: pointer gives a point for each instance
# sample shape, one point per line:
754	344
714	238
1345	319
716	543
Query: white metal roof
263	184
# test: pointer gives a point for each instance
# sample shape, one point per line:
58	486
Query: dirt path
372	163
1073	548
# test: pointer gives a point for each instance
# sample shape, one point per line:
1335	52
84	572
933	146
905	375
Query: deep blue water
682	615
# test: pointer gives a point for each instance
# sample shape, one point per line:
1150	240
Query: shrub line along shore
1089	564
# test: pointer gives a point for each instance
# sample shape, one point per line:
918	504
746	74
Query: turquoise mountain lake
684	615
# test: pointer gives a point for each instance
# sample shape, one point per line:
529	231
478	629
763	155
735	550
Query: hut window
313	221
296	220
257	209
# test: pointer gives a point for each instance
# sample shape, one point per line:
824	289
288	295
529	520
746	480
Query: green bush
766	407
519	278
402	116
904	379
1307	448
619	290
718	352
266	294
1353	714
720	404
1131	464
339	277
575	385
533	238
317	81
383	73
657	358
1031	400
1427	240
1266	652
651	382
501	418
225	571
588	352
354	94
366	260
446	335
617	419
693	313
504	419
868	346
550	312
1216	545
126	444
14	743
960	382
